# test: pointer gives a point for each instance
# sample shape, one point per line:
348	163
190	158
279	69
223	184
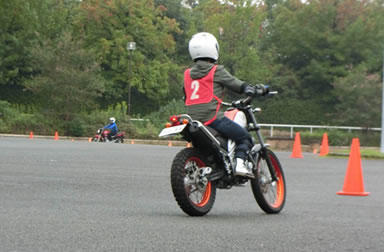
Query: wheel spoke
271	194
198	197
188	181
268	187
194	190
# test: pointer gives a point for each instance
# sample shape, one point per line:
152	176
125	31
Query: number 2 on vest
195	87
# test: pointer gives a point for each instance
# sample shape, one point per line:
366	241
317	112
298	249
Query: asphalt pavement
81	196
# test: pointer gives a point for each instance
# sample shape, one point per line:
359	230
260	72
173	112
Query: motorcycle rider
204	88
112	126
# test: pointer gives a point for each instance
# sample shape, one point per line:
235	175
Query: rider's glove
250	90
262	89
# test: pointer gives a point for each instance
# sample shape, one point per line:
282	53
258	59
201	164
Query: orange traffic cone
90	139
324	149
31	135
189	145
169	143
56	135
296	152
353	182
132	142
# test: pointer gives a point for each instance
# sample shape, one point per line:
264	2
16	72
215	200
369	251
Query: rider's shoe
242	169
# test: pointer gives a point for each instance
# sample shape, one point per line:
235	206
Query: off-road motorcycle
197	172
102	136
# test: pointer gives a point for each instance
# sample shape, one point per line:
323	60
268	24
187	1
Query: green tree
317	42
69	79
359	99
16	31
109	25
22	24
236	25
176	9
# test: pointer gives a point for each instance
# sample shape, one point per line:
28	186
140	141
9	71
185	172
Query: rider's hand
250	90
262	89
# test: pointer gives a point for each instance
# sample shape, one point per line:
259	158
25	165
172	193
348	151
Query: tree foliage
318	42
67	56
107	26
359	104
22	24
16	30
69	79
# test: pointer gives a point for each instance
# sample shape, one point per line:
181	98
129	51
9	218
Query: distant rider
204	88
112	126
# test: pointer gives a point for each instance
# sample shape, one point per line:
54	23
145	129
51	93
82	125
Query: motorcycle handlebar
245	101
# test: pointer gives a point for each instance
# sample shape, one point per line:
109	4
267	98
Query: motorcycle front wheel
193	192
270	195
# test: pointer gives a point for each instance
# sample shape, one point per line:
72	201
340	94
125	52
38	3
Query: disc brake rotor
195	181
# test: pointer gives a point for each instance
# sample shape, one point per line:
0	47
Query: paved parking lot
80	196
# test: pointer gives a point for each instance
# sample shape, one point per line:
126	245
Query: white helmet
203	45
112	119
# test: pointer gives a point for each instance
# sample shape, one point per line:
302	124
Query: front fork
261	148
262	151
264	154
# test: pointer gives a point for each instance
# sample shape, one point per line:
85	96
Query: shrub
75	127
289	111
13	119
5	113
159	118
341	137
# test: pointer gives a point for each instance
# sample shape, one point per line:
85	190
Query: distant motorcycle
102	136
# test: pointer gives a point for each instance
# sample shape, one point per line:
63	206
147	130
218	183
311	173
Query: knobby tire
260	190
180	190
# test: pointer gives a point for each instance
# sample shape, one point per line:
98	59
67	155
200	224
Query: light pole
382	114
221	31
131	46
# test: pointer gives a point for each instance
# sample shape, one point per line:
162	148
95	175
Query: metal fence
311	127
293	126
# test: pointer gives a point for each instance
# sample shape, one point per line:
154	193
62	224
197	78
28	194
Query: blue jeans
232	130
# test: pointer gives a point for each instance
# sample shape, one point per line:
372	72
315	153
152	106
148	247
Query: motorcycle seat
222	139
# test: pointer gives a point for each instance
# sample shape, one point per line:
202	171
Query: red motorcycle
196	172
102	135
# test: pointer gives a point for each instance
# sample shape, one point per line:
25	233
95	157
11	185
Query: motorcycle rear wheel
194	193
118	140
96	139
270	195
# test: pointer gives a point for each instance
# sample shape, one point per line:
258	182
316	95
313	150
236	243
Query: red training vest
198	91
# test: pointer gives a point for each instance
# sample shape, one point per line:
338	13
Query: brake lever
247	100
273	92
